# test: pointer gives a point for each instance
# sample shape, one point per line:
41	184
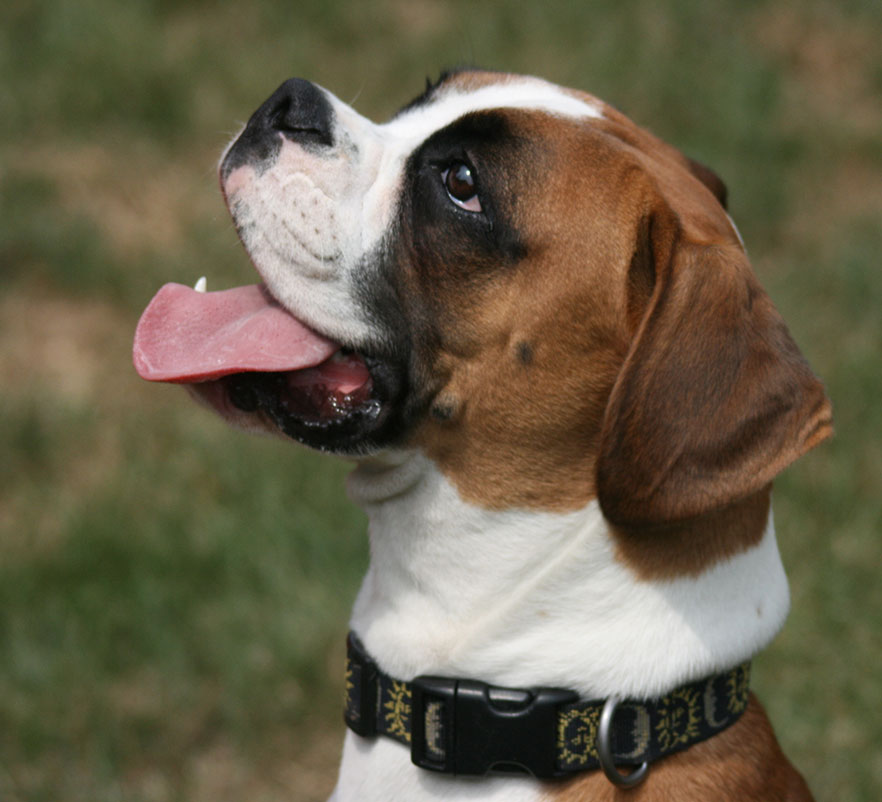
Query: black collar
462	726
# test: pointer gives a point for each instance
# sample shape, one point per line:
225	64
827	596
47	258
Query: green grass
173	594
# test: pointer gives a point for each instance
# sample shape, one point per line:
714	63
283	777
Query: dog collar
462	726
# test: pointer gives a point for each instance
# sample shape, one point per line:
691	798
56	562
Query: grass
173	594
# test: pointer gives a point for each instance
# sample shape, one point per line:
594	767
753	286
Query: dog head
548	301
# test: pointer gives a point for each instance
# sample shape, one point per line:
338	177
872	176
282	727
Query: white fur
514	93
519	598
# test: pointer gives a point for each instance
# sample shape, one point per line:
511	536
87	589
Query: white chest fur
523	598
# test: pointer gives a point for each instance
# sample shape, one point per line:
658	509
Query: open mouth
331	402
240	349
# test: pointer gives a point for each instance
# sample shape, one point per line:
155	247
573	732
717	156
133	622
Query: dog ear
711	180
714	398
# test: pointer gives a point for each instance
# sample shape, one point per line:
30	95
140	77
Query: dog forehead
458	97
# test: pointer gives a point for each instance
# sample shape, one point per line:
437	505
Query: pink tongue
190	336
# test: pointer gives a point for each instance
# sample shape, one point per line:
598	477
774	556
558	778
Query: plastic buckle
469	727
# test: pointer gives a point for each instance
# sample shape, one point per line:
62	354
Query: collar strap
462	726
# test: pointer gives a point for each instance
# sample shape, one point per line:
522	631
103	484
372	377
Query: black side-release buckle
469	727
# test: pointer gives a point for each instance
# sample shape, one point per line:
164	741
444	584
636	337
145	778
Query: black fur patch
451	238
525	353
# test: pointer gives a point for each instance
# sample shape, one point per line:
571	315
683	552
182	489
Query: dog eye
459	181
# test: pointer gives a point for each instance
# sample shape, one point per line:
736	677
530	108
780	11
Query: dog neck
522	598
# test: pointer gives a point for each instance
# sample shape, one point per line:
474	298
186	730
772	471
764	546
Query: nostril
295	126
301	112
298	110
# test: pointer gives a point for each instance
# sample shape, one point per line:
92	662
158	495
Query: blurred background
174	594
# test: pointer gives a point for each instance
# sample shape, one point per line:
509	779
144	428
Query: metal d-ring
604	750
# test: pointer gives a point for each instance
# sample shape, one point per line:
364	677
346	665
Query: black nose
298	109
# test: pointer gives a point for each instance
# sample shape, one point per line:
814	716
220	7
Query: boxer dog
535	329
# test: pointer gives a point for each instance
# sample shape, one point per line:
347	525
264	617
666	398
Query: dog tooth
201	285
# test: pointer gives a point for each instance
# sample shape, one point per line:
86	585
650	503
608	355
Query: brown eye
459	181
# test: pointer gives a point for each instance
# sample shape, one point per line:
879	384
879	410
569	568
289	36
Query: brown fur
660	378
527	432
742	763
713	400
687	548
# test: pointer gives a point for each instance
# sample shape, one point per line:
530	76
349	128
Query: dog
534	328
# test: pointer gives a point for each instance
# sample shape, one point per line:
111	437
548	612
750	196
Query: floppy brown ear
713	399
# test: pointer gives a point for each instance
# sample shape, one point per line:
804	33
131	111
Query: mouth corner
340	406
